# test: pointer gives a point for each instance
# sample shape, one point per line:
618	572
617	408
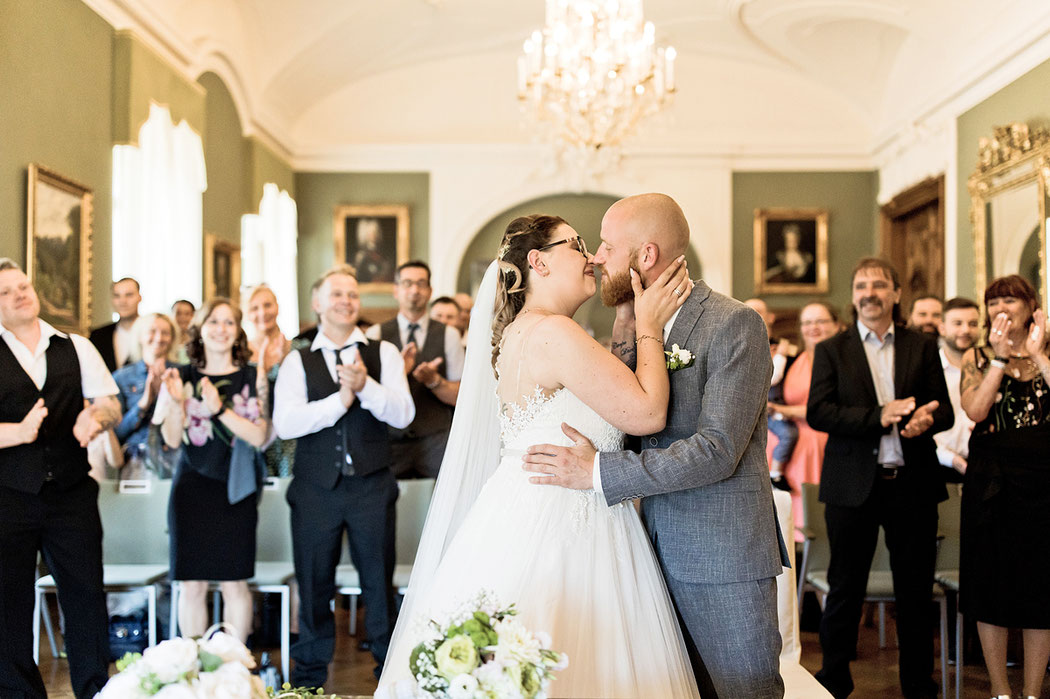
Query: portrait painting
222	268
791	251
58	248
374	240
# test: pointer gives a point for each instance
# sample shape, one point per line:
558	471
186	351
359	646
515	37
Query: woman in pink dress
818	321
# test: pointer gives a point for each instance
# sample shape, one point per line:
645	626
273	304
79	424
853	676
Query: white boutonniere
679	358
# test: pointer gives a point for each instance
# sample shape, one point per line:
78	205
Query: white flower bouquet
216	666
482	652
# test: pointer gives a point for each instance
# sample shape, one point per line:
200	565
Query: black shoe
781	483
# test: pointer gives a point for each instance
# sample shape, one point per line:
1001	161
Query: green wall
140	77
267	166
228	159
55	109
318	193
1026	99
852	224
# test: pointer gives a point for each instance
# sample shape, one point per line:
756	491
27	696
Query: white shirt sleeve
373	332
294	415
388	399
454	354
945	455
596	474
779	363
95	379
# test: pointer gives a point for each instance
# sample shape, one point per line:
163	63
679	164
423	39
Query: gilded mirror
1008	206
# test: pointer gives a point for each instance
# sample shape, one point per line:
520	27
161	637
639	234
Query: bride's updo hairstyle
524	234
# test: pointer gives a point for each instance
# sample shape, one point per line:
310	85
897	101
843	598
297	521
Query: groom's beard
616	288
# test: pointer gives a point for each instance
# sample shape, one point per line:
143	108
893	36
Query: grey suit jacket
708	502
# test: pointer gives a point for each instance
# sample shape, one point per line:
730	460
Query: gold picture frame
791	251
222	268
59	215
374	239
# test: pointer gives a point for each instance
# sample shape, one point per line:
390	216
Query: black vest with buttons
55	454
319	457
432	416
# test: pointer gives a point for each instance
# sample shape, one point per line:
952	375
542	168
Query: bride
576	568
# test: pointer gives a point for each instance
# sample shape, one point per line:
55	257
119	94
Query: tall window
157	204
269	253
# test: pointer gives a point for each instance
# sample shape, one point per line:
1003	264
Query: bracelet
432	386
998	363
648	337
220	411
997	358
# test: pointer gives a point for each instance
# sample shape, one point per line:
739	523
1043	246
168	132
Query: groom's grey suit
708	504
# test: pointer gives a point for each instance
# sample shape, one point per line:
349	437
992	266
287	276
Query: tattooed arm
623	340
978	386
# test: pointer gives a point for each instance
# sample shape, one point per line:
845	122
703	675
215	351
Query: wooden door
912	238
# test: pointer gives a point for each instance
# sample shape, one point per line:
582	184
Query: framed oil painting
222	268
58	248
791	251
374	239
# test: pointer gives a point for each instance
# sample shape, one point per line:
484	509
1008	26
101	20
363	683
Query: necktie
346	468
412	328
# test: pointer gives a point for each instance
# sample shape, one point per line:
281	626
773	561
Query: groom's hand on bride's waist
569	467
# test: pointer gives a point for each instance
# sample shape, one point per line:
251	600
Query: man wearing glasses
433	357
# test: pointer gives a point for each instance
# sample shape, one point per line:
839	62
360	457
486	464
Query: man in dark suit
879	393
115	341
337	397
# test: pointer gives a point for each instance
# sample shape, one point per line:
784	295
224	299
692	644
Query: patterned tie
346	468
412	328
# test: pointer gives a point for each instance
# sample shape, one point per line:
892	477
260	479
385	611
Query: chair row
135	550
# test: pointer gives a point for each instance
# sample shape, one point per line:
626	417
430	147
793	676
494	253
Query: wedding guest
336	398
210	407
1006	492
115	341
269	348
959	332
878	391
466	305
444	309
925	314
433	356
817	322
182	312
139	385
48	503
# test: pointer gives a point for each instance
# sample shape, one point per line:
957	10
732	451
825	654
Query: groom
708	504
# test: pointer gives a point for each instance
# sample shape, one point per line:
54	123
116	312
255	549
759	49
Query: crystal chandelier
591	75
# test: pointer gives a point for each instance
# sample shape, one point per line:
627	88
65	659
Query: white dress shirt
455	350
596	472
95	379
388	399
957	439
880	354
125	346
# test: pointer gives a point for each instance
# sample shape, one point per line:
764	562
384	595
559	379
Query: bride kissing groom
707	505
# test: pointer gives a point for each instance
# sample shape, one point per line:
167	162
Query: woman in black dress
212	406
1006	493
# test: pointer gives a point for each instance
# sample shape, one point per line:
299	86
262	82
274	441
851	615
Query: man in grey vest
433	356
48	502
336	398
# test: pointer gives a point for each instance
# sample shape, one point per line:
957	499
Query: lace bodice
539	418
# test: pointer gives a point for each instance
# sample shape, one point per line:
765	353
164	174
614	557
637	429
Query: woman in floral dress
1006	495
211	408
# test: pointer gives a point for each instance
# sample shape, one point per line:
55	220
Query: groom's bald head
654	222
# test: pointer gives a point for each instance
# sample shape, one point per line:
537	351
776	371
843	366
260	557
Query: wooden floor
874	671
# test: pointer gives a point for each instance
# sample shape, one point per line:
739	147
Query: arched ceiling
759	76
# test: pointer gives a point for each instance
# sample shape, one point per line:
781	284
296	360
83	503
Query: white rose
176	691
228	648
170	660
123	686
462	687
231	681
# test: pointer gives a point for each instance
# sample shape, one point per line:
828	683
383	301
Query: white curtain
157	205
269	251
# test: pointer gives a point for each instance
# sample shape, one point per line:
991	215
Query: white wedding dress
576	568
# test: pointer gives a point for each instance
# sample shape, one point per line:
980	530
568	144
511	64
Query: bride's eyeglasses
576	242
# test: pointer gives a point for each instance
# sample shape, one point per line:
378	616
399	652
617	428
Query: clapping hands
427	372
29	427
352	379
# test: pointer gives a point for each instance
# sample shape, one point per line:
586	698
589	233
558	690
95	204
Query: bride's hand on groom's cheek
569	467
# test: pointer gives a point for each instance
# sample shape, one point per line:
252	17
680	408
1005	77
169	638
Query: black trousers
910	524
365	507
64	525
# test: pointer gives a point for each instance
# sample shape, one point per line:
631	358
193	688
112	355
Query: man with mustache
878	391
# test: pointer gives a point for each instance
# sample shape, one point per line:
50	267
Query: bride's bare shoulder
558	332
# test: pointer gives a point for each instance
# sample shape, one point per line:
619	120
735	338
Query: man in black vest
48	503
115	341
433	355
337	397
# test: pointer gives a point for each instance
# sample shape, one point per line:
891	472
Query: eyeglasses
418	283
576	242
810	323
